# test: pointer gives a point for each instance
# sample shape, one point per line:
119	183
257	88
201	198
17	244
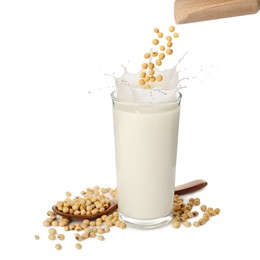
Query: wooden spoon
189	11
179	190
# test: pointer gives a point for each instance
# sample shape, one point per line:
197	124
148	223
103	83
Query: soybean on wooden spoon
179	190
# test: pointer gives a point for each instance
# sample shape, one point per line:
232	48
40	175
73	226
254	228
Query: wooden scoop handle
190	187
188	11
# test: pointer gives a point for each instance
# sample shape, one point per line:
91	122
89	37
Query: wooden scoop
179	190
189	11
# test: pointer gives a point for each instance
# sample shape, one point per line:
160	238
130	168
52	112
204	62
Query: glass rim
125	102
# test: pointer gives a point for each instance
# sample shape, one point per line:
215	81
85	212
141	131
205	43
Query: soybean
58	246
159	78
171	28
176	224
158	62
60	236
68	194
160	34
169	51
145	65
101	238
147	55
78	246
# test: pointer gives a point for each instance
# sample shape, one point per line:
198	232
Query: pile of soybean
95	200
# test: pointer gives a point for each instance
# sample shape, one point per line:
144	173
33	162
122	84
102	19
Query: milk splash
128	88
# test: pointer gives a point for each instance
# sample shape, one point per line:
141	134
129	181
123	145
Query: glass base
146	223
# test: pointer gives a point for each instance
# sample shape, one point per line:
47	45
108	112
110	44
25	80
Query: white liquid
146	146
146	123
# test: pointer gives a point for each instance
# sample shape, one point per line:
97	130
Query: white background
55	136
